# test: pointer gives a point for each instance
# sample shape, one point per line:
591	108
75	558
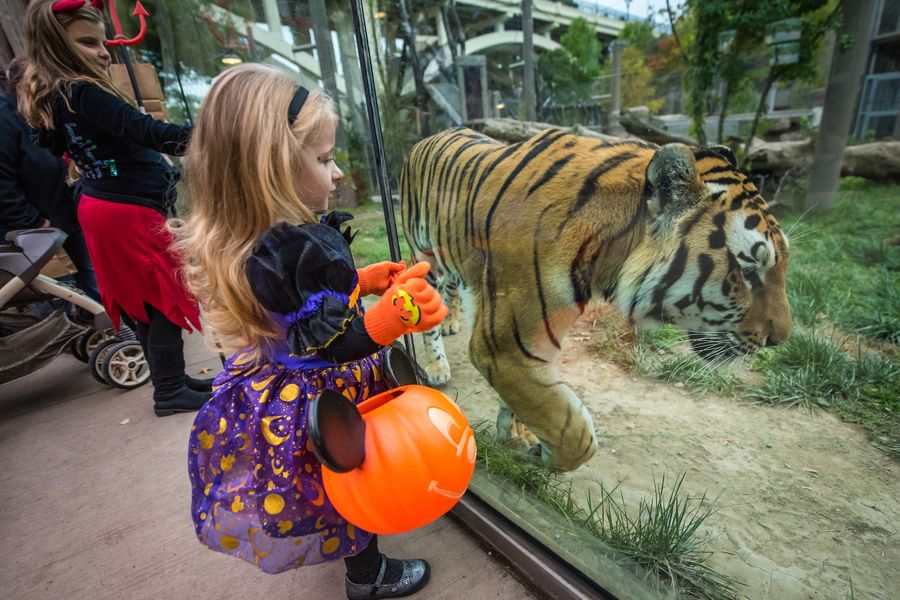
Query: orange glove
411	305
375	279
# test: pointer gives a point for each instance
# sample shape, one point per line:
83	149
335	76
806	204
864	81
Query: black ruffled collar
335	219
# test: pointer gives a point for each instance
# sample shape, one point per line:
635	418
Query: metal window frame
542	572
865	114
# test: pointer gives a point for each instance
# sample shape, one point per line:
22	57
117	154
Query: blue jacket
32	180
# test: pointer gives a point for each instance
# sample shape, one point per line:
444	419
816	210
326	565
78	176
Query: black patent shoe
413	578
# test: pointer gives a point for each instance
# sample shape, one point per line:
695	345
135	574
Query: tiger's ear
672	183
725	153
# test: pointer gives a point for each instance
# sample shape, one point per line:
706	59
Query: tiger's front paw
450	327
529	439
438	372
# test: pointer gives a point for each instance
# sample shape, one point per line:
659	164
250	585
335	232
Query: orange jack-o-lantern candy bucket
397	461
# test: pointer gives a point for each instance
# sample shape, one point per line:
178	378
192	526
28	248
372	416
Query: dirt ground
805	503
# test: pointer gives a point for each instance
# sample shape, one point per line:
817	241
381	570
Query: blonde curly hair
242	172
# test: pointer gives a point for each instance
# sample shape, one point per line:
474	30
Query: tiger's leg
520	368
434	360
450	293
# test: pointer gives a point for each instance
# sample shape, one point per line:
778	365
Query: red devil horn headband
63	6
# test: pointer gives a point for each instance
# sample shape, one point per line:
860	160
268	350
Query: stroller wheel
125	365
97	356
78	348
88	341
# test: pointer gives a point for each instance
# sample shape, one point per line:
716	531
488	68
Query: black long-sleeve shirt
117	148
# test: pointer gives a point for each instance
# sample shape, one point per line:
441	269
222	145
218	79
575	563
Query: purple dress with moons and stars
256	482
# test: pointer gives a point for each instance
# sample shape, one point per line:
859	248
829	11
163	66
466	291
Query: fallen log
512	130
878	161
649	132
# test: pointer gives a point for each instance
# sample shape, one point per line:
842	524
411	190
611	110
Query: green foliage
637	86
568	72
354	161
749	22
177	40
639	34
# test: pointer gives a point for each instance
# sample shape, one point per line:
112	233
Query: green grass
370	244
662	534
814	371
842	270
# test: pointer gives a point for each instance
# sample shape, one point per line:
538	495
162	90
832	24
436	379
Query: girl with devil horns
128	185
277	281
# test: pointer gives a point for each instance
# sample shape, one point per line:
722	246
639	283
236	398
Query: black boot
165	353
170	394
142	330
198	385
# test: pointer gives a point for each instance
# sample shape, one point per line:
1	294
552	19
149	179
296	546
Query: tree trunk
12	17
528	61
723	112
163	21
760	108
409	33
847	69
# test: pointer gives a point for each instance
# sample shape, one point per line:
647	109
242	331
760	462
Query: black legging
364	566
160	331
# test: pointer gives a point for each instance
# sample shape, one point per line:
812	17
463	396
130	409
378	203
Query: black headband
297	103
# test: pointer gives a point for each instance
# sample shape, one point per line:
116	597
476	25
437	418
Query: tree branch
674	31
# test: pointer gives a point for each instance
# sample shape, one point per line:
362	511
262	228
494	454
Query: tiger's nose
779	331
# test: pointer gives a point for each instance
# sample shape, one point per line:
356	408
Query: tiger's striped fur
535	230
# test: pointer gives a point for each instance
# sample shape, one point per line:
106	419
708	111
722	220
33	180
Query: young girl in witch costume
128	186
277	282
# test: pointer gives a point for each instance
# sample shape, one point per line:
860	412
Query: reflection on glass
748	445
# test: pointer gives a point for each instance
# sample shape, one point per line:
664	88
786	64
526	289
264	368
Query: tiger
534	231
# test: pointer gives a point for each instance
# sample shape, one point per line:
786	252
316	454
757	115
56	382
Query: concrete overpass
487	17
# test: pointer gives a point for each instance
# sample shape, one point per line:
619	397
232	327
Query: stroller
40	318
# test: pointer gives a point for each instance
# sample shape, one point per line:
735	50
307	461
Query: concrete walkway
95	498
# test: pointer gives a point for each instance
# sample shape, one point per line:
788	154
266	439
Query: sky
638	7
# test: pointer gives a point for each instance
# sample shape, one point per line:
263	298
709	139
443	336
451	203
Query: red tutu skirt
129	246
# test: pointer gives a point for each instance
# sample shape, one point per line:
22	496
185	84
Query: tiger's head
713	261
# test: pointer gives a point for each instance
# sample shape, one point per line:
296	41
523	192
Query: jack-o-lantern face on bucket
460	436
398	461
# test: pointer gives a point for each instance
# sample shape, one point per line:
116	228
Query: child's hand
420	269
375	279
410	306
